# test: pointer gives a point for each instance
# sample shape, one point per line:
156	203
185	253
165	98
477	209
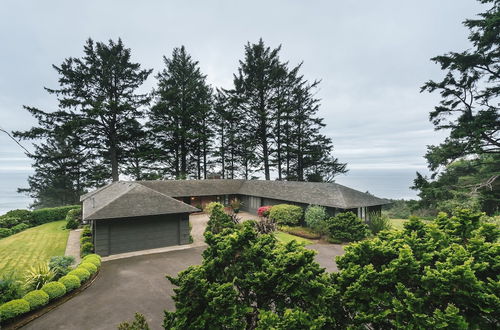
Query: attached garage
115	236
128	217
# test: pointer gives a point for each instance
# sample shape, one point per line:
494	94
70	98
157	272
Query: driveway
124	286
138	284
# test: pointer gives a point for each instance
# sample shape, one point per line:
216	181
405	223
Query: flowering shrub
263	211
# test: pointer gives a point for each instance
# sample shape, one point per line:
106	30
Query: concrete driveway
138	284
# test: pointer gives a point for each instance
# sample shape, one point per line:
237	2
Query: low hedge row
86	245
73	218
52	290
16	221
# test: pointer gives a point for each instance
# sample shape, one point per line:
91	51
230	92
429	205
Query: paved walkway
73	245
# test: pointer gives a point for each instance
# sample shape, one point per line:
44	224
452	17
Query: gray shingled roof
130	199
127	199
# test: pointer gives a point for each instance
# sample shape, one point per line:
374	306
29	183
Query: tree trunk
114	163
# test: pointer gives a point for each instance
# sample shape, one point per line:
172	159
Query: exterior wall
113	236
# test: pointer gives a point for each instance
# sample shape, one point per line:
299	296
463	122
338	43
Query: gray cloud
372	57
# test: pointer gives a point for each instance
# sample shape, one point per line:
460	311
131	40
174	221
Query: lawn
285	238
18	252
398	223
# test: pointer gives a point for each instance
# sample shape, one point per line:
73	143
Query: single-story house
137	215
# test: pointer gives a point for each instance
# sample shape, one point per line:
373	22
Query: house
137	215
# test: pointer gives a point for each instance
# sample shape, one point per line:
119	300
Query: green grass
34	245
398	223
285	238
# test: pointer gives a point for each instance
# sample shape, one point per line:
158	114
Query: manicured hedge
285	214
14	308
42	216
73	218
54	290
51	290
19	228
85	239
81	273
90	267
71	282
36	298
5	232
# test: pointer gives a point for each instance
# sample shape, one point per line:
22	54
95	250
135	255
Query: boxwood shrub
92	259
81	273
54	290
92	269
286	214
85	239
14	308
71	282
86	231
36	298
86	249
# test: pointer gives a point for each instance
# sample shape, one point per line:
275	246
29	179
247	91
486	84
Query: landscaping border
24	319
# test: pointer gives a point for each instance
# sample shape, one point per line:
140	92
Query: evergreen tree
179	119
101	86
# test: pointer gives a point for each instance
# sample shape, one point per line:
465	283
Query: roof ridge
117	196
169	197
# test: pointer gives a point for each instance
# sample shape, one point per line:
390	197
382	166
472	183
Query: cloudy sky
372	57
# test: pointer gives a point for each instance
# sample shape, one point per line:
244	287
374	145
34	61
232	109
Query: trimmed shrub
210	206
263	211
37	276
286	214
90	267
92	255
14	308
54	290
60	265
9	222
85	239
70	282
301	232
19	228
219	220
86	249
347	227
25	216
81	273
5	232
92	260
315	217
37	298
42	216
86	231
378	222
10	288
73	218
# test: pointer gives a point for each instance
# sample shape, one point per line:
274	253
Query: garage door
127	235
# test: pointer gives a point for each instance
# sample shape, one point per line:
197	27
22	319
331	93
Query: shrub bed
50	291
286	214
36	298
301	232
347	227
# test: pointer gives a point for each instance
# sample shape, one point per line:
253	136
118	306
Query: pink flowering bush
263	211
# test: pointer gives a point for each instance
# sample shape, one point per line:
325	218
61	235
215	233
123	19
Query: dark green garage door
141	234
138	233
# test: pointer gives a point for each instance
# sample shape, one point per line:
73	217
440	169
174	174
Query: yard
20	251
285	238
398	223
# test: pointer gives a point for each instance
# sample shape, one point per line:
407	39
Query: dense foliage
245	279
10	288
378	222
469	111
347	227
54	289
210	206
36	298
442	274
37	276
70	282
286	214
60	265
14	308
315	218
73	218
219	220
264	211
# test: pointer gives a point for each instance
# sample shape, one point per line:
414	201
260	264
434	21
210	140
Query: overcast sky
371	56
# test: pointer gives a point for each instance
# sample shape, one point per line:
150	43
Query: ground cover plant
32	246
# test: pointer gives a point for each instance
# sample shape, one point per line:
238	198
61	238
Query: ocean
386	183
